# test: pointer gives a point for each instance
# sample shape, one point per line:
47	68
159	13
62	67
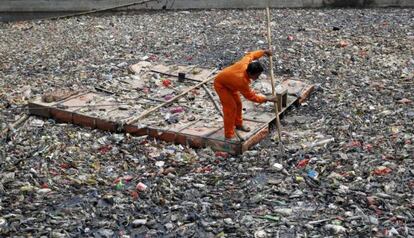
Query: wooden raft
97	110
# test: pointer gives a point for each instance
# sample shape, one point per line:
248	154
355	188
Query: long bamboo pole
210	95
269	41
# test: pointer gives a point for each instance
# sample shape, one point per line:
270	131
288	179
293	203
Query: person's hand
268	53
271	99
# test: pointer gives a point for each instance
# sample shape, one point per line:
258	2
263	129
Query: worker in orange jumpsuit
235	80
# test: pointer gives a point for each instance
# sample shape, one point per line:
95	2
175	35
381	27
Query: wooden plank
39	108
299	89
78	101
200	131
255	139
254	127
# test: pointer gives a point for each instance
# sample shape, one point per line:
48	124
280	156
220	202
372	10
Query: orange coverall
228	83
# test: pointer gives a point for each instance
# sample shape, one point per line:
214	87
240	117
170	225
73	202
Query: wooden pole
212	99
269	41
147	112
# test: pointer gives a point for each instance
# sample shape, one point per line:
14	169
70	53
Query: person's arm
271	98
251	95
255	55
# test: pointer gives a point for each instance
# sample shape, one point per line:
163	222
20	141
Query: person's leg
229	109
239	118
239	110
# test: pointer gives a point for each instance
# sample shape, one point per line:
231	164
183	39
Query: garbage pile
347	165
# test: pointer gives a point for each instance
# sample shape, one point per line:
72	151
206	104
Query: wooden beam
147	112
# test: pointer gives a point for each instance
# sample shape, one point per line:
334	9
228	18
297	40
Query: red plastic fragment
382	171
45	185
105	149
302	163
134	195
166	82
222	154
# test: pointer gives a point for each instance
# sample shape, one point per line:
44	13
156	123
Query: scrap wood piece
306	93
15	125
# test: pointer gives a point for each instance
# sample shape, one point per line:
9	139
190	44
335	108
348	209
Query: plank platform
191	121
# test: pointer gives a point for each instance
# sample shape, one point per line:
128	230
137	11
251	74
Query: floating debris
355	135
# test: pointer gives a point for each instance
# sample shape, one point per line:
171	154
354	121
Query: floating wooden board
196	129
